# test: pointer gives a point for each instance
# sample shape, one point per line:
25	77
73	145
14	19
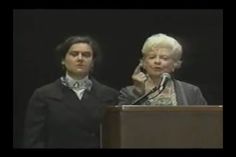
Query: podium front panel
132	126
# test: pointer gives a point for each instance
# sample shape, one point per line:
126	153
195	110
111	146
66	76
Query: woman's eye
164	57
73	54
87	54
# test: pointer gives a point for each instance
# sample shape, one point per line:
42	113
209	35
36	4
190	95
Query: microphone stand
160	88
142	98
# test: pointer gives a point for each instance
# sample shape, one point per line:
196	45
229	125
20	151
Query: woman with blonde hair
152	81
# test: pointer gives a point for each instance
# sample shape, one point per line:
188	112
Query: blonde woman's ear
173	70
173	67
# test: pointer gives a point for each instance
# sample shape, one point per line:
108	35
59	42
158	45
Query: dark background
121	34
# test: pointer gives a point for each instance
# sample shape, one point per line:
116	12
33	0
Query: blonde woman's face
158	61
79	59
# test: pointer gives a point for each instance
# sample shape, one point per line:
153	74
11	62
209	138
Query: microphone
165	77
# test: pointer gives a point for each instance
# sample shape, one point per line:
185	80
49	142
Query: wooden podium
140	126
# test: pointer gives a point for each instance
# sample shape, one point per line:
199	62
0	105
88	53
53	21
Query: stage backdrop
121	34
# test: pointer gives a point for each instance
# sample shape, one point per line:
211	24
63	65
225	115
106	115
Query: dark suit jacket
56	118
186	94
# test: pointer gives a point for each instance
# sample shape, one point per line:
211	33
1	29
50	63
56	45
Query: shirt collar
75	84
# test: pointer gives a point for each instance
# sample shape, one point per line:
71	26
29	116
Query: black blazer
56	118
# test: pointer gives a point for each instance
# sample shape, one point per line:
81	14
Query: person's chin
79	71
157	74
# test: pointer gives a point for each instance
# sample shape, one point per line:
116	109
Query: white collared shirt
78	86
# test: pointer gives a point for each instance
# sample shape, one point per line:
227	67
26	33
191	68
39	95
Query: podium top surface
166	108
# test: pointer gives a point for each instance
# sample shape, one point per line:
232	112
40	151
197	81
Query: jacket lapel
180	94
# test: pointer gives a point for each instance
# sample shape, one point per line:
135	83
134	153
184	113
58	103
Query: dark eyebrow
87	52
81	51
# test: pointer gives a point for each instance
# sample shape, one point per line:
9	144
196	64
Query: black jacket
56	118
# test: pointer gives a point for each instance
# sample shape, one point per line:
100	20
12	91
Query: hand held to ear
139	78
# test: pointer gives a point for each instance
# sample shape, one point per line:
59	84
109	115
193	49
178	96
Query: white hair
164	41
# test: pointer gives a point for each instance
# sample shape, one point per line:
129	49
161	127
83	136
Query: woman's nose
79	57
157	59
